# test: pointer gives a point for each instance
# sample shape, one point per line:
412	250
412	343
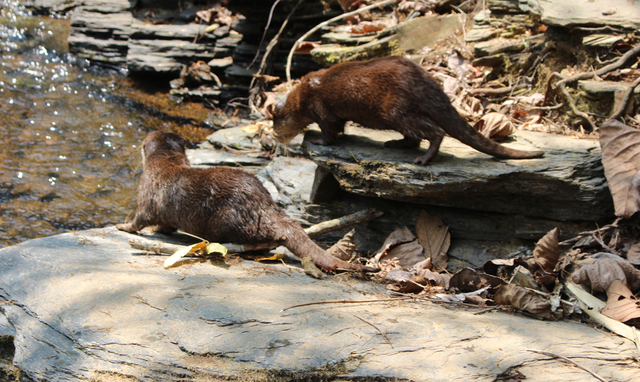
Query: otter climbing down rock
217	204
383	94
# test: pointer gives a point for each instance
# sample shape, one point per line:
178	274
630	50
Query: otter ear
176	141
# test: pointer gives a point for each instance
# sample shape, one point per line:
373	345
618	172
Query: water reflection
67	150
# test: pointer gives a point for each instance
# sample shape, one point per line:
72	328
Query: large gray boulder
79	305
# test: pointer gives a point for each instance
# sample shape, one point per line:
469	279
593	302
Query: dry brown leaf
622	305
491	267
366	27
415	285
546	253
495	125
466	280
412	253
344	248
621	159
435	279
523	299
633	254
306	47
434	236
605	271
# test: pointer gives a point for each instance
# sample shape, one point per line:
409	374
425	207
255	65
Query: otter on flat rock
383	94
217	204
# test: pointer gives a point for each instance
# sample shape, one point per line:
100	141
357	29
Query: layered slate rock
79	305
568	183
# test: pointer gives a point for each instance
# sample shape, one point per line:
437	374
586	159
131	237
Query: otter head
286	123
163	144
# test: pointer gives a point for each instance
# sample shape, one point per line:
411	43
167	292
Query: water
69	135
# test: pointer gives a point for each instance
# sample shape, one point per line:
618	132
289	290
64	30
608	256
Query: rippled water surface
68	141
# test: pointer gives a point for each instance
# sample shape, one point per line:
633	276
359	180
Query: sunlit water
68	144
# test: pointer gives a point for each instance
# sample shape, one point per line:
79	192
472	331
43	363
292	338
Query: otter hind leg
434	147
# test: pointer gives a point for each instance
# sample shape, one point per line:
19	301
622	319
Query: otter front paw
127	227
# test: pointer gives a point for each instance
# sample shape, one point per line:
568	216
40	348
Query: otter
384	94
217	204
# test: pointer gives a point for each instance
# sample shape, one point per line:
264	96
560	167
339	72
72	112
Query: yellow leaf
251	129
180	254
216	248
276	257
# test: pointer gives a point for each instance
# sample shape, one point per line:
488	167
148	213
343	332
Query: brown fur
384	94
217	204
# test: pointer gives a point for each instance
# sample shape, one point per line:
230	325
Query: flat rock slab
568	183
82	304
567	13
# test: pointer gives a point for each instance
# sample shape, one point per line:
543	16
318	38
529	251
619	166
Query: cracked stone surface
84	303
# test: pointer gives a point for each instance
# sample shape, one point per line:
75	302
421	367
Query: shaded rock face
568	183
79	305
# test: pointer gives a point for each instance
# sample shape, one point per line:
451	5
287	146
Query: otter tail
460	130
298	242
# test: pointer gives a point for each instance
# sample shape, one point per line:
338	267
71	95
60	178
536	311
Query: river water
69	135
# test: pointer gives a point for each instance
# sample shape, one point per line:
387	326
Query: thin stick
589	233
573	107
264	34
272	43
376	328
569	361
346	302
345	221
322	24
620	62
625	99
496	92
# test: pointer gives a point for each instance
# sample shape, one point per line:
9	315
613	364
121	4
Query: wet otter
385	94
217	204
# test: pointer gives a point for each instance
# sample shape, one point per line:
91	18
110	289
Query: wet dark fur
217	204
385	94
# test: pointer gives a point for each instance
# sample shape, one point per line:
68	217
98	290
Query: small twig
574	109
625	99
496	92
568	361
589	233
346	302
599	240
376	328
322	24
345	221
264	34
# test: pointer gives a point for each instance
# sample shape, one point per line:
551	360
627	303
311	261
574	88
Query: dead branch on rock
496	92
343	222
568	361
325	23
589	233
625	99
347	302
376	328
161	248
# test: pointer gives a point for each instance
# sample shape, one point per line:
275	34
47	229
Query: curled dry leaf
344	248
434	236
401	246
621	159
621	305
605	271
306	47
415	285
366	27
468	280
523	299
495	125
546	253
435	279
633	254
492	266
